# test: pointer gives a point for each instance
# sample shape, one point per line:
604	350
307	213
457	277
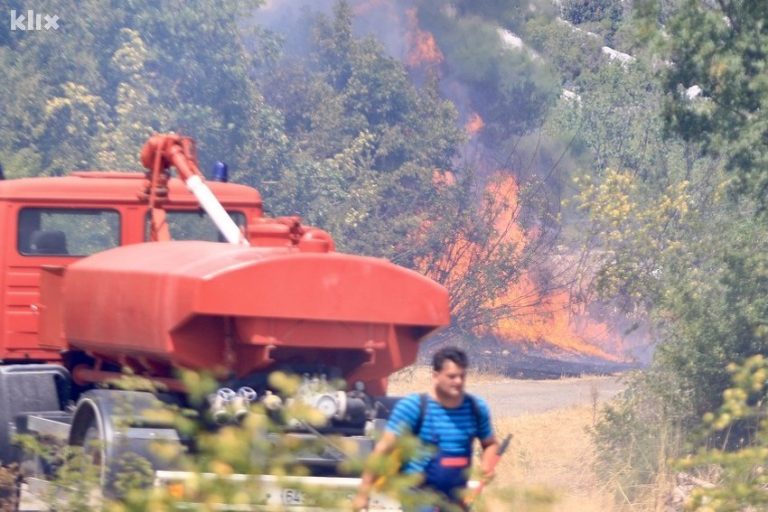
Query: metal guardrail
283	493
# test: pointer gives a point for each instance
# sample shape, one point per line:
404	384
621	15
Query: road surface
510	398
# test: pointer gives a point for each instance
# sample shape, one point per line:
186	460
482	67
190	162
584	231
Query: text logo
31	21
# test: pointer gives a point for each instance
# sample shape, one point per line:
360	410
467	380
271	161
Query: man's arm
385	445
403	418
488	458
487	441
488	461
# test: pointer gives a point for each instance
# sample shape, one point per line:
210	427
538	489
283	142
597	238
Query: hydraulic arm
160	153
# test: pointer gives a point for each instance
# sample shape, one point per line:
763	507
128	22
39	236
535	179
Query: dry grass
551	455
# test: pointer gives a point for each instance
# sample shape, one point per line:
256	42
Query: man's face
449	381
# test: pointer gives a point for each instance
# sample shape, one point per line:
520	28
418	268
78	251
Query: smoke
293	20
502	90
478	70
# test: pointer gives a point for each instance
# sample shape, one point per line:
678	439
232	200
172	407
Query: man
448	420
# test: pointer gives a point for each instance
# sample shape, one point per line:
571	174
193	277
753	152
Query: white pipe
213	208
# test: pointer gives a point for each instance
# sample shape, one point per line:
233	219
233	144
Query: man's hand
488	461
492	452
360	502
489	472
383	447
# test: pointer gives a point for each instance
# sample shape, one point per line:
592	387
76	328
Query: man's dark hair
454	354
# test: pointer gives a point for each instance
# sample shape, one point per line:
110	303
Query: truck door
45	236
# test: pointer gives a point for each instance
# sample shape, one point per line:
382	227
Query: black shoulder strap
475	411
422	413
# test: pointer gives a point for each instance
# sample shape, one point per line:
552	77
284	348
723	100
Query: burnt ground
534	366
534	361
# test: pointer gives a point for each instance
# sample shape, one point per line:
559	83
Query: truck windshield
194	225
67	231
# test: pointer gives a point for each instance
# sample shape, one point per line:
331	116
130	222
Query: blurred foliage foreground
739	475
214	458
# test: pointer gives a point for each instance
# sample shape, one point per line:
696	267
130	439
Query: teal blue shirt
451	430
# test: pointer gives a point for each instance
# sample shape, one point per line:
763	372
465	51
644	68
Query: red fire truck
103	272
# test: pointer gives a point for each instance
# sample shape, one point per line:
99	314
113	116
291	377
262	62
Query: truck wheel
119	438
88	432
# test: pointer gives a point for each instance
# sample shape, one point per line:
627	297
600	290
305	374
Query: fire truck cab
106	272
56	221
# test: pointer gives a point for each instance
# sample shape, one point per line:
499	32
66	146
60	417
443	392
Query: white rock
622	57
693	91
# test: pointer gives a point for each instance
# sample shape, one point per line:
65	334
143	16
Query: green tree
666	241
134	113
583	11
571	52
509	87
741	479
78	115
721	48
88	93
372	161
510	14
365	141
601	16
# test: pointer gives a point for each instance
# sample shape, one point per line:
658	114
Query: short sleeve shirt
451	430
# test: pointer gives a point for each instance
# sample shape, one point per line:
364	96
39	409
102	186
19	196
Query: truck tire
88	431
118	438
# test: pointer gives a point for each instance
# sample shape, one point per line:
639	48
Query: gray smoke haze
292	19
393	24
389	22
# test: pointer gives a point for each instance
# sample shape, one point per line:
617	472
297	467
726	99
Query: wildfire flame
422	48
550	320
474	125
539	317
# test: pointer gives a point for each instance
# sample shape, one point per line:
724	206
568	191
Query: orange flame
539	317
423	49
503	196
474	125
549	320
